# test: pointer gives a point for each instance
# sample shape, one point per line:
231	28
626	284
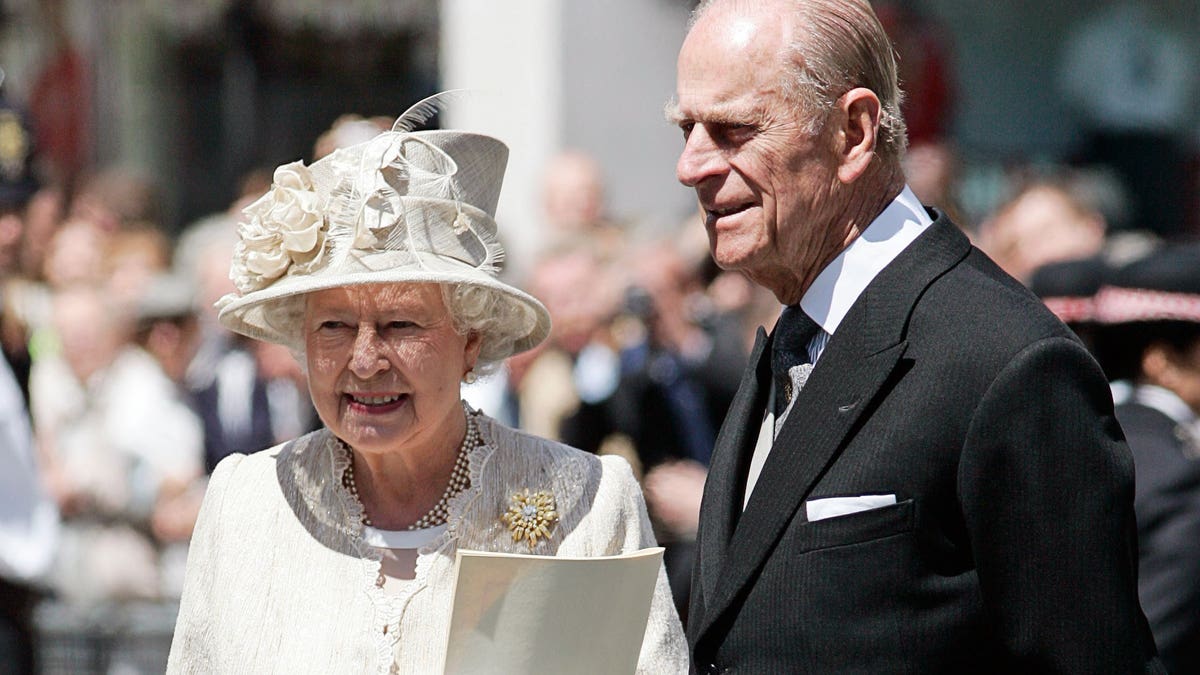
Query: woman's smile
373	403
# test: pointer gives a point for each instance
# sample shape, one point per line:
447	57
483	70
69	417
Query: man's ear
1158	366
858	116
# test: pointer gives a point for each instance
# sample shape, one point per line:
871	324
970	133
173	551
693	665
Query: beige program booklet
517	613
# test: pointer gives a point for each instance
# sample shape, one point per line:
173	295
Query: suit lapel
850	374
722	503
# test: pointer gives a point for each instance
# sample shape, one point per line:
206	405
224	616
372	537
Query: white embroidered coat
279	579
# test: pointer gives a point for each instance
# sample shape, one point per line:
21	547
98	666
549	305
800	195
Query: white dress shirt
1166	402
838	287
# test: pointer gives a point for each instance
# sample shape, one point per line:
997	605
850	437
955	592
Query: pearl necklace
460	479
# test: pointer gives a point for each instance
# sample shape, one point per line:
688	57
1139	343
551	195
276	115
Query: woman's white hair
488	313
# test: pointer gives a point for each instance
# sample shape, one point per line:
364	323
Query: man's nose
700	158
367	358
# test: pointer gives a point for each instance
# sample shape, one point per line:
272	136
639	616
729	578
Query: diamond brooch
530	516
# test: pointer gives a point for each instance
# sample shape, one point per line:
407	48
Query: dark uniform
1156	302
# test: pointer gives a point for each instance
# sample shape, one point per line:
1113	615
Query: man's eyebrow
727	115
671	112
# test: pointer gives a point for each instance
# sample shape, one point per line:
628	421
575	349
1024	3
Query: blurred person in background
119	438
222	378
43	216
578	363
24	298
18	188
1150	331
249	394
76	255
133	259
28	518
151	423
104	553
1045	221
677	375
573	204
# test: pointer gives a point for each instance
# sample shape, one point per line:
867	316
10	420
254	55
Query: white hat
403	207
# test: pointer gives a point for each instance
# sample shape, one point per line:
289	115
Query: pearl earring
470	377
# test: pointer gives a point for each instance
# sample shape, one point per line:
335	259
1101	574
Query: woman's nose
367	358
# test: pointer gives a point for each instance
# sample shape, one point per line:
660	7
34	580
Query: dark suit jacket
1012	544
1168	514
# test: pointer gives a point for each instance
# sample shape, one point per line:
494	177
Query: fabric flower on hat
285	227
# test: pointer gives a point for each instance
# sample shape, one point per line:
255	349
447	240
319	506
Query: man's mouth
721	212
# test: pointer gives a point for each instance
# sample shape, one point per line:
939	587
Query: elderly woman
335	552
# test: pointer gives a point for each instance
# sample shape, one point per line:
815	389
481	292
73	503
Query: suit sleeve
1046	487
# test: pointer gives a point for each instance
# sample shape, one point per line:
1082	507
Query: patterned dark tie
789	350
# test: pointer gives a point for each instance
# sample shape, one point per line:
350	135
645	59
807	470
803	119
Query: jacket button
711	669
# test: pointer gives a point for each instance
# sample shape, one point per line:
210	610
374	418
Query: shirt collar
1165	401
838	286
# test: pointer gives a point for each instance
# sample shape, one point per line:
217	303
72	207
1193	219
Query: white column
508	54
620	71
570	74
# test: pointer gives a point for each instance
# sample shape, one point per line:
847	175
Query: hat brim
250	314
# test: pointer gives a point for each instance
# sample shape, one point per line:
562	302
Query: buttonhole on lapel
848	407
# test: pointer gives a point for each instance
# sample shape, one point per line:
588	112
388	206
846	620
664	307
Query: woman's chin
374	430
371	440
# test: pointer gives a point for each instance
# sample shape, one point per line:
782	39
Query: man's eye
332	324
400	325
686	128
740	132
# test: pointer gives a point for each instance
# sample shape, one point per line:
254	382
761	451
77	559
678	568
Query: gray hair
839	45
487	312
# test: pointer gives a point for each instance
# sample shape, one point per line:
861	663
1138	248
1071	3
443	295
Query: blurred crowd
133	392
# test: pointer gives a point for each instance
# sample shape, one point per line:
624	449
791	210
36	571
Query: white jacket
279	579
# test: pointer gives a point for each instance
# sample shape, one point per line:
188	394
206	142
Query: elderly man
947	490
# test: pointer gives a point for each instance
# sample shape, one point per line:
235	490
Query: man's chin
730	258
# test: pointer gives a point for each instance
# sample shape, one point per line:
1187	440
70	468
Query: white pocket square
832	507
